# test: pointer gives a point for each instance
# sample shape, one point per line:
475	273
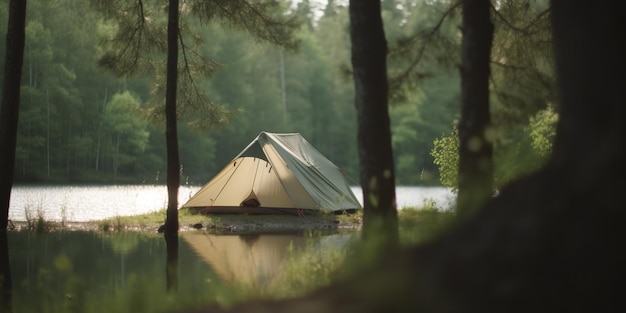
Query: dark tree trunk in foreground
9	107
369	62
173	162
171	133
9	113
551	242
475	149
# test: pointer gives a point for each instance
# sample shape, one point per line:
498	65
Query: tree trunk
590	58
475	146
283	89
550	242
98	144
171	133
9	107
173	162
116	154
369	62
9	114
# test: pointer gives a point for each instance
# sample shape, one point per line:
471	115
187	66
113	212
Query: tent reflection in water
277	173
252	260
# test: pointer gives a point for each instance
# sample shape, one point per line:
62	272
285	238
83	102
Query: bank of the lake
190	220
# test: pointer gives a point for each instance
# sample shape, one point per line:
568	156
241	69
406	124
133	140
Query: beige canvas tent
277	173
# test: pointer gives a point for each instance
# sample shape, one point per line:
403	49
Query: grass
418	225
239	223
189	219
141	294
36	221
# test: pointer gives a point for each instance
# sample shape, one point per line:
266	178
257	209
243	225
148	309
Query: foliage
516	154
419	225
425	114
64	137
128	128
522	68
542	128
264	20
446	155
37	221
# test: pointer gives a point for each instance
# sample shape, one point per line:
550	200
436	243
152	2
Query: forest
81	123
549	240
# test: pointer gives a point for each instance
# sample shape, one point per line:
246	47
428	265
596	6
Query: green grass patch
417	225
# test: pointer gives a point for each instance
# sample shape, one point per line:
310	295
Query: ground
219	223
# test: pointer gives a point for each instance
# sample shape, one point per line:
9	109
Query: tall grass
36	221
418	225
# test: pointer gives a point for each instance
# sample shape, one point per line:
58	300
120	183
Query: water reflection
6	287
171	267
60	267
254	260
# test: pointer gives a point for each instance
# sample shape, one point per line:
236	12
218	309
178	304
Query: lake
82	271
125	271
85	203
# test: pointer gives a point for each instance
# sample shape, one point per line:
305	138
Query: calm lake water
65	268
53	270
85	203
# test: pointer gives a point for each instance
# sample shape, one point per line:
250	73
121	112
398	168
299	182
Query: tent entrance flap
251	201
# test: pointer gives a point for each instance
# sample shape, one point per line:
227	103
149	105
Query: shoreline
214	223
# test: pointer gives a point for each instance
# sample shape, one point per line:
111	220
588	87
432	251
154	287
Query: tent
277	173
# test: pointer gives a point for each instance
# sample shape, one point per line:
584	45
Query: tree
332	35
128	128
425	49
10	102
171	130
475	145
369	64
136	28
9	113
551	240
129	45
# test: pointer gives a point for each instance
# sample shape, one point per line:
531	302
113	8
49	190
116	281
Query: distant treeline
81	124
